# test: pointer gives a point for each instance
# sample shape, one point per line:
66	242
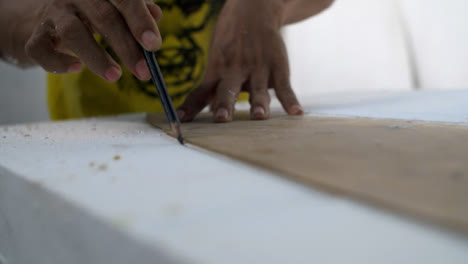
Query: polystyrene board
60	204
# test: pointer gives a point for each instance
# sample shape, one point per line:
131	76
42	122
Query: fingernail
150	41
142	70
75	67
258	112
222	114
113	74
180	114
296	110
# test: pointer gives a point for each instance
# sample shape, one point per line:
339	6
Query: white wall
439	31
354	45
22	95
368	45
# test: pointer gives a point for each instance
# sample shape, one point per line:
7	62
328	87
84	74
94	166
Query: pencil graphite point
175	127
180	139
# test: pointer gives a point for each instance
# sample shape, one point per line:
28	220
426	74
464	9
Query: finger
212	106
107	20
140	21
154	10
195	102
259	97
227	93
284	91
76	36
199	97
41	48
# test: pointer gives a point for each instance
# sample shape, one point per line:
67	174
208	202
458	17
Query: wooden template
416	168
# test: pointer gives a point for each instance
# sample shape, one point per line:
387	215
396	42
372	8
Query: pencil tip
176	130
180	139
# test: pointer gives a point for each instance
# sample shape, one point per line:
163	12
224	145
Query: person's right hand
63	38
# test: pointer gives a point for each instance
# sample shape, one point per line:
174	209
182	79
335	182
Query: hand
66	27
247	54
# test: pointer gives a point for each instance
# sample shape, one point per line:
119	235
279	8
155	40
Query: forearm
297	10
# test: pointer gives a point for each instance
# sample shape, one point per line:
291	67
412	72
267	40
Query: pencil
164	97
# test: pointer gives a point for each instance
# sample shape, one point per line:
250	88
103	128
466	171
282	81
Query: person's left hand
247	54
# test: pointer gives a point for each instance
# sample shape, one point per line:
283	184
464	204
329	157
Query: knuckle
30	47
69	29
58	3
121	4
53	6
33	47
39	40
105	11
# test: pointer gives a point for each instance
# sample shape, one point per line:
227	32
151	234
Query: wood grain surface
416	168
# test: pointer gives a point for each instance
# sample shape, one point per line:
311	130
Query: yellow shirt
186	30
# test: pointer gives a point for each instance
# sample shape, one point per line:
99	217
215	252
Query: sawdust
102	167
399	127
71	177
117	157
